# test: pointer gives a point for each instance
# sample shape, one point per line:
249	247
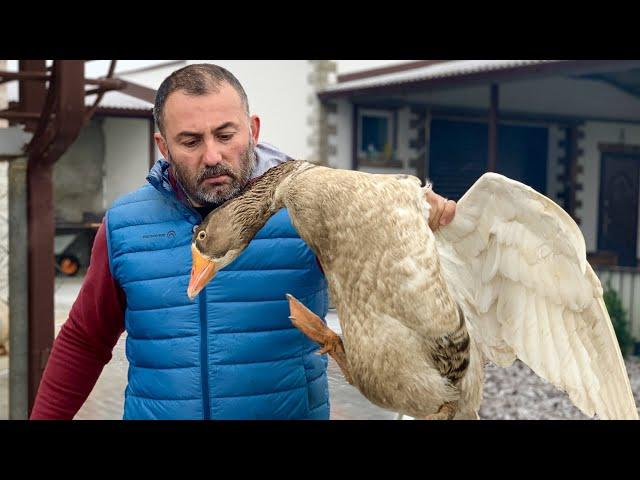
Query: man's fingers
448	212
442	210
435	215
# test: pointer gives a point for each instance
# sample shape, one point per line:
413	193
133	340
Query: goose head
217	242
227	230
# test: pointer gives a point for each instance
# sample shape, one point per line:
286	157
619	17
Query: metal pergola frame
52	109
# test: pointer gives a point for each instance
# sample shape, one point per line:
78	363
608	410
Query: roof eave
516	72
124	112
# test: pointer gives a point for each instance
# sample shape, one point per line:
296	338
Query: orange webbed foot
315	329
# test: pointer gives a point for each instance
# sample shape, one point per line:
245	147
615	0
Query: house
570	129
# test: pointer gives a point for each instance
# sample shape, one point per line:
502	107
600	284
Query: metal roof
116	99
438	70
112	99
451	73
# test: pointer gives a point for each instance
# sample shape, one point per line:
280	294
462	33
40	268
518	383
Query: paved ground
511	393
106	399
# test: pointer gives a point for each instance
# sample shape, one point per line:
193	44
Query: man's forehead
221	106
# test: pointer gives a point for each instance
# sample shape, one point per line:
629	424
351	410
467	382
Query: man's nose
212	154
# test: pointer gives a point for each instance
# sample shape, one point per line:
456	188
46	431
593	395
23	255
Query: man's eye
225	137
190	143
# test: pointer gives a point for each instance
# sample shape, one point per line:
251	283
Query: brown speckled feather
406	340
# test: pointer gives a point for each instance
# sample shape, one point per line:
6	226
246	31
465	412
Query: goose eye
201	235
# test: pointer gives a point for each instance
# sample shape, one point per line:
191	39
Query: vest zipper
204	357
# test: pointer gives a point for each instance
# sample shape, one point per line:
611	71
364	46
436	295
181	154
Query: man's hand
442	210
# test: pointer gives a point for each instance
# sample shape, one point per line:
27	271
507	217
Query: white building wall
78	175
279	92
126	156
595	133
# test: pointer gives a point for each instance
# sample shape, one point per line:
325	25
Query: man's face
209	140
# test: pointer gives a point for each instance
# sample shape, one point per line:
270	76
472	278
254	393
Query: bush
619	319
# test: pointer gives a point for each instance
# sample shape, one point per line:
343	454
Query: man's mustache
215	171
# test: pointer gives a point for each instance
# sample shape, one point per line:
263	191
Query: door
618	224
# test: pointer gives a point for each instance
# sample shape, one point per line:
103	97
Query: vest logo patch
169	234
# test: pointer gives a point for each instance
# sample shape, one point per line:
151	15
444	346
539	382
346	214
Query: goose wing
517	264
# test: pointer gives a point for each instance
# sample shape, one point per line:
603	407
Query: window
376	130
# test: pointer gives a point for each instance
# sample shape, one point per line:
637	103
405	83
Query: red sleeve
85	342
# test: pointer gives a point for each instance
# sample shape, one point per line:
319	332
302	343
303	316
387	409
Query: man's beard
214	195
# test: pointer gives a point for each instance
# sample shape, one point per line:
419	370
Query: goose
422	313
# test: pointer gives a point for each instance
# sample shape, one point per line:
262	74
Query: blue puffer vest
233	352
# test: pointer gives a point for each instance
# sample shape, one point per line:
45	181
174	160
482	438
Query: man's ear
162	145
255	128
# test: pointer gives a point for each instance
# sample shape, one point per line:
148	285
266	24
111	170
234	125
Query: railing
626	282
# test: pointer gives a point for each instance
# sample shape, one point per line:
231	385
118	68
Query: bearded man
233	352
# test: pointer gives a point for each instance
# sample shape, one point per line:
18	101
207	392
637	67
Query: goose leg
315	329
446	412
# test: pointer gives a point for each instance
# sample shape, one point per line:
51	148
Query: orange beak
202	271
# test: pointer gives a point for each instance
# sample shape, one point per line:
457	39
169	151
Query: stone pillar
318	118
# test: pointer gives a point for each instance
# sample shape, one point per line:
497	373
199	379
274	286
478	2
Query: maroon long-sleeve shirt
86	340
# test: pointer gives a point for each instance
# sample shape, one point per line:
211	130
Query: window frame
389	115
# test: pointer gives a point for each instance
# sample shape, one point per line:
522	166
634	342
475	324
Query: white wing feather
517	264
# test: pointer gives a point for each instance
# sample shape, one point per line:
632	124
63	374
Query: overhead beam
6	76
139	91
14	116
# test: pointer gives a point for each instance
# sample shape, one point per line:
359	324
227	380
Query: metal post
32	92
427	144
493	130
18	291
354	138
423	145
41	272
69	117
